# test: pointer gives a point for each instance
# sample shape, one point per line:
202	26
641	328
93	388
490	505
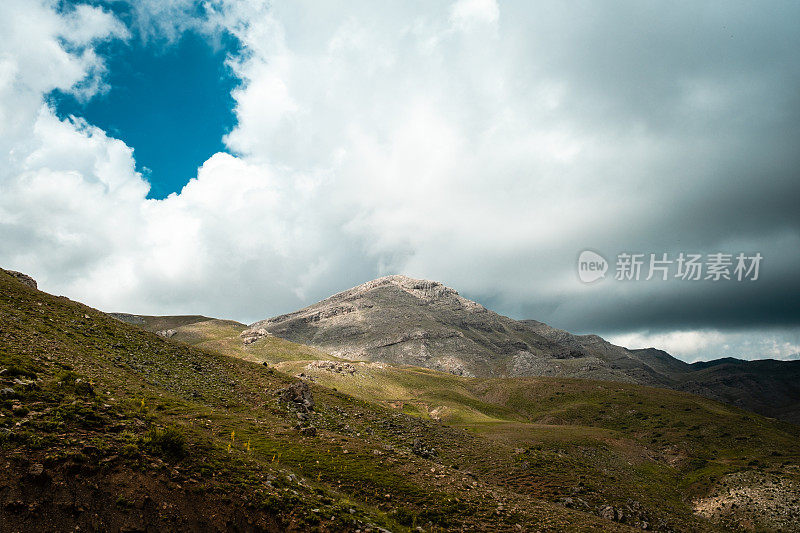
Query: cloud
467	13
705	345
680	343
484	146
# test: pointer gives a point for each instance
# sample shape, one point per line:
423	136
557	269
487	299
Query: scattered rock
8	392
333	366
166	333
423	451
741	498
298	396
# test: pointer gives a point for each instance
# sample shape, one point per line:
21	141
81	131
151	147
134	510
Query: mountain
107	426
766	386
405	321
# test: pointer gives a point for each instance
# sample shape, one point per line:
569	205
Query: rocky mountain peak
421	288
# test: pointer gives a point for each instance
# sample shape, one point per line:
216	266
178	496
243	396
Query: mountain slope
401	320
767	387
105	426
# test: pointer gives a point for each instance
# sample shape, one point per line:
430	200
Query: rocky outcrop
166	333
420	449
250	336
24	278
135	320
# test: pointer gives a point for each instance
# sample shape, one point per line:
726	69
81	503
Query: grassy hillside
582	443
105	426
223	336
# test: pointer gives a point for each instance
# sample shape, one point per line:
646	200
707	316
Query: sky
172	103
242	159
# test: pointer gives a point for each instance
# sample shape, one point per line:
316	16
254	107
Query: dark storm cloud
718	87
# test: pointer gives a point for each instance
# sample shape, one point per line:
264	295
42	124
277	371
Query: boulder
607	512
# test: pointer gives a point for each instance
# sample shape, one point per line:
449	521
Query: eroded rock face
24	278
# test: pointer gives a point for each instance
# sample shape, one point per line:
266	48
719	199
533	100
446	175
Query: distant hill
765	386
159	323
406	321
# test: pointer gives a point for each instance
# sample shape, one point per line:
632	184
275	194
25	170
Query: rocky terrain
24	278
405	321
751	499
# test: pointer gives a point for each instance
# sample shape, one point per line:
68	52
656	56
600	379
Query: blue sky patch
170	102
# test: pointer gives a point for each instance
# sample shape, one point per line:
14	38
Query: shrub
130	451
15	371
404	517
71	381
169	442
